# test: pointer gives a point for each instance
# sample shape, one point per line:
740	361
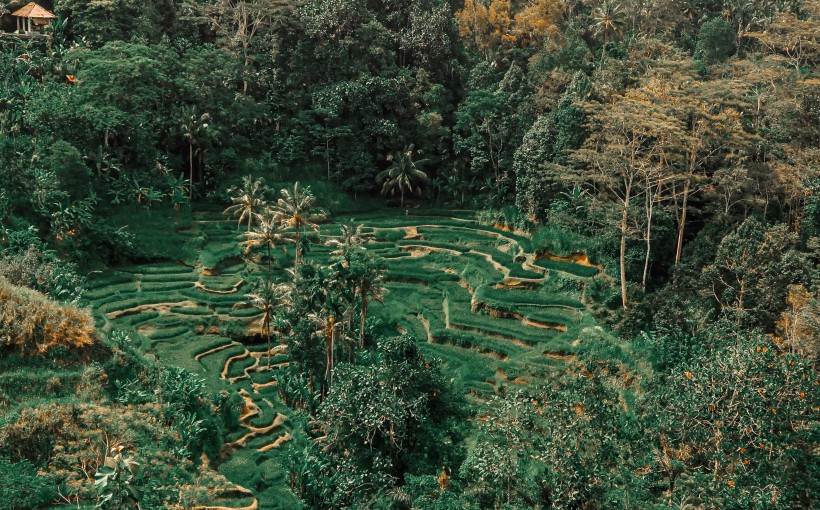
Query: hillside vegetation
429	254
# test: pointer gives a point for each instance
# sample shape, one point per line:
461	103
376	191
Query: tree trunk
622	257
267	333
649	210
364	318
191	169
682	221
327	155
402	197
296	258
332	350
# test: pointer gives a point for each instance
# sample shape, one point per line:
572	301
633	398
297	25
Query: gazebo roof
32	10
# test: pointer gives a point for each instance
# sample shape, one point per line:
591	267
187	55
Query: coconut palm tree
366	274
248	200
297	209
268	233
327	326
371	287
609	19
270	298
351	235
402	175
192	126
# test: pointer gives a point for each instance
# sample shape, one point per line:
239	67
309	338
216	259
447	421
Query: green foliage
117	480
23	487
44	272
388	415
757	402
715	41
753	266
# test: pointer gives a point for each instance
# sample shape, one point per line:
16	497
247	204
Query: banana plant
118	480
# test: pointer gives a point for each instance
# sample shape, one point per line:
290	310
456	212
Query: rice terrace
409	255
496	310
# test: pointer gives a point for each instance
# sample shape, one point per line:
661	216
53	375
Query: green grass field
474	296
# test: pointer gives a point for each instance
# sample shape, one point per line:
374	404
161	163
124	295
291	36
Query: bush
716	41
22	487
42	271
32	323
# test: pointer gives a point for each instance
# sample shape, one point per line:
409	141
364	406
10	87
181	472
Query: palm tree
371	286
296	208
609	18
271	297
327	326
269	233
366	277
402	174
191	126
248	201
351	235
178	192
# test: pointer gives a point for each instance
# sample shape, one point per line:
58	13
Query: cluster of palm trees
278	223
271	225
354	279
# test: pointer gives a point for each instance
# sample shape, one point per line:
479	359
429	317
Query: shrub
32	323
42	271
22	487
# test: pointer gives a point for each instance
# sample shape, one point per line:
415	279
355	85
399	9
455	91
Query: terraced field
478	297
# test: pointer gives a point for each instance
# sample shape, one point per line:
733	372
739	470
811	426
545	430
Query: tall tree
248	200
366	272
627	139
192	126
297	208
609	19
268	234
270	299
402	174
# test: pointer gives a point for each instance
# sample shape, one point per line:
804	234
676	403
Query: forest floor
477	297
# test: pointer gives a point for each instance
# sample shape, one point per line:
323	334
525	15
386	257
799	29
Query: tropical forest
410	254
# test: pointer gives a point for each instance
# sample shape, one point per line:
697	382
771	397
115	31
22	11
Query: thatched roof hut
32	17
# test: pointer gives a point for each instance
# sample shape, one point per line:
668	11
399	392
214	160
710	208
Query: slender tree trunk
327	155
402	197
624	227
332	350
191	169
649	210
364	318
682	221
296	258
267	333
603	52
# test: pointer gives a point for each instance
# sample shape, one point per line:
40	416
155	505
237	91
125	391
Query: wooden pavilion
32	18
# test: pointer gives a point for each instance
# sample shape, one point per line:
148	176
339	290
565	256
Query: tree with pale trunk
193	127
270	299
268	234
298	210
248	200
631	140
